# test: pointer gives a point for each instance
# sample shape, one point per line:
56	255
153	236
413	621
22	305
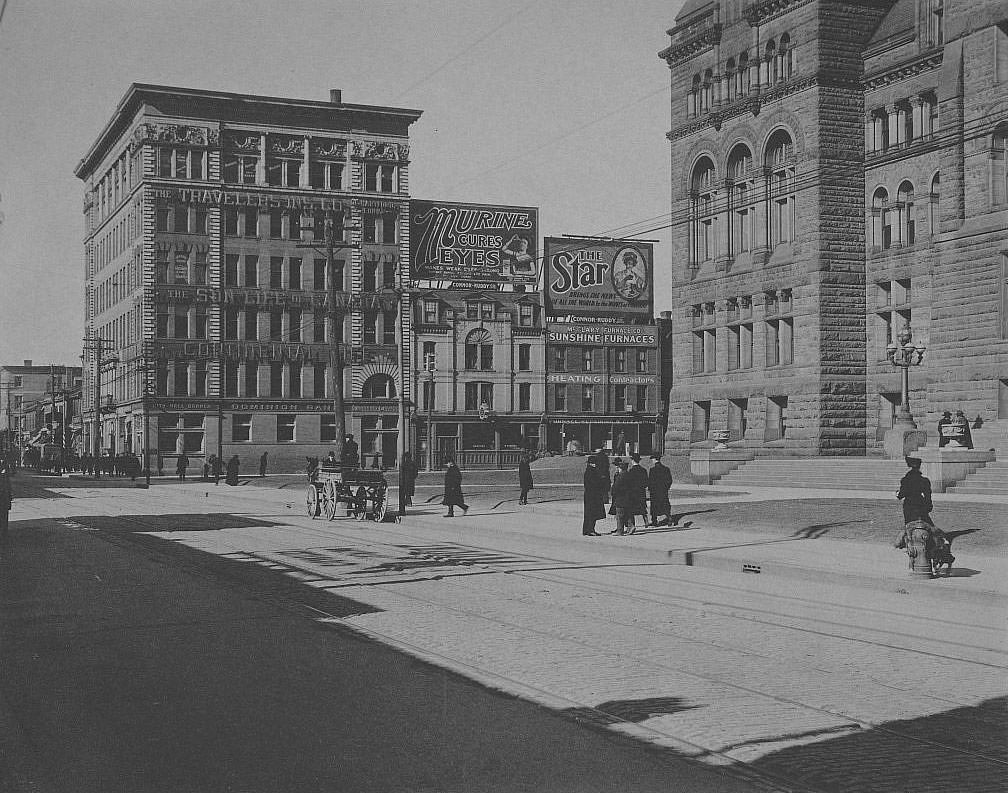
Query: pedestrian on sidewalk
208	467
453	496
524	478
602	466
915	493
181	466
639	482
232	471
594	506
659	482
945	419
262	465
159	461
407	480
622	498
218	469
6	499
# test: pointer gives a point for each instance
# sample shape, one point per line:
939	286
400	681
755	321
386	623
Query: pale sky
561	104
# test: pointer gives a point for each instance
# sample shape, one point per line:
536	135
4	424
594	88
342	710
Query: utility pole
429	365
94	345
146	411
334	227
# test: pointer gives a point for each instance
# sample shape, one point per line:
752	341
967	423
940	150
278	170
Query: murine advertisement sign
473	246
588	279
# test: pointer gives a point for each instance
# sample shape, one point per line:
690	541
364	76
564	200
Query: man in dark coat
659	482
218	469
232	471
945	419
262	464
623	499
962	422
181	466
453	491
594	506
524	478
351	452
602	464
915	493
638	480
407	481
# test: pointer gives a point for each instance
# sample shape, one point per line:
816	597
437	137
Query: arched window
785	56
378	386
905	214
770	57
703	194
881	223
730	74
998	167
780	165
743	200
935	204
742	75
479	350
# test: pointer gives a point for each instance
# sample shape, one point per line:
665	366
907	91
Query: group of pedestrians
963	436
628	492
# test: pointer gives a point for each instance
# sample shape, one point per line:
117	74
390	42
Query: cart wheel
311	502
329	501
380	507
360	503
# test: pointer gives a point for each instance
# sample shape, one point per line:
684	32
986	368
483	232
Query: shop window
286	425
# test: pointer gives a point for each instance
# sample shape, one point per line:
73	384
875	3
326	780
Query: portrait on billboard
629	274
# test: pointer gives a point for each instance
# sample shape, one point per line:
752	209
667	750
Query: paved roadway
174	640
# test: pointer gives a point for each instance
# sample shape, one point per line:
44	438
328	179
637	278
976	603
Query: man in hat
945	419
659	482
962	422
915	493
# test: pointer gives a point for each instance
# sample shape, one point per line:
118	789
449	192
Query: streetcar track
853	722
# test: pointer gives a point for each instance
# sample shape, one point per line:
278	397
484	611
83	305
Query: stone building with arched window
838	172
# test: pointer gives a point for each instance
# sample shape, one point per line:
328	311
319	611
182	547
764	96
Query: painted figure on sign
629	275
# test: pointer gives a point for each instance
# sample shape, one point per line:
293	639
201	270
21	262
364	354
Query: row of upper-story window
621	398
475	395
185	162
115	184
598	359
117	238
713	88
124	330
777	302
525	314
892	220
479	354
778	328
758	204
117	286
901	124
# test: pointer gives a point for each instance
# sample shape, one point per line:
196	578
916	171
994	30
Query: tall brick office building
195	202
838	172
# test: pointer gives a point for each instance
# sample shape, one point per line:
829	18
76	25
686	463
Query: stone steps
841	473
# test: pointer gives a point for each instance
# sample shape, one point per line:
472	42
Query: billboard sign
588	279
603	335
473	246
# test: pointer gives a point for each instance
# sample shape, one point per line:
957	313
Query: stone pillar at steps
709	464
946	466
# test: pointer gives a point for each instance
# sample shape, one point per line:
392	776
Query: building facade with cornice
212	308
837	175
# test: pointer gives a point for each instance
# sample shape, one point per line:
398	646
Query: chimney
336	96
27	361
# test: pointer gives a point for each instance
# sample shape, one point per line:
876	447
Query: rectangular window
587	358
371	327
276	379
181	378
319	281
276	326
200	274
285	427
389	327
231	222
619	363
295	325
641	402
294	273
251	271
276	224
388	275
370	275
526	314
161	267
200	323
251	379
230	324
710	350
161	218
161	324
251	225
318	327
379	177
486	394
486	357
328	428
231	378
472	396
620	398
776	418
486	311
294	375
428	395
319	381
471	355
560	398
181	322
430	312
587	399
276	272
199	220
472	310
524	357
642	362
524	396
560	359
241	427
251	324
326	175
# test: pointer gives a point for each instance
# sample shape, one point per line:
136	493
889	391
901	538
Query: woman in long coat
232	471
453	491
407	478
594	506
524	478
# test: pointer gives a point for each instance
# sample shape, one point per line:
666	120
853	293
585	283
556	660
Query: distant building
195	203
838	174
21	387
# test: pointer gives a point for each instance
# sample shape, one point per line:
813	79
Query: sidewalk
979	577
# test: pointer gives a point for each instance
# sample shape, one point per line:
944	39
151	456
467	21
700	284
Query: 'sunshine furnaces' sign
587	279
473	246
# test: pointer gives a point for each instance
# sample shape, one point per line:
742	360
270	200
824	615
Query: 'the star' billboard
594	279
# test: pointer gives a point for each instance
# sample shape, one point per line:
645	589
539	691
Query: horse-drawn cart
365	493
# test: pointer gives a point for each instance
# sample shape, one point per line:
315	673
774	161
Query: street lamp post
429	399
904	355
